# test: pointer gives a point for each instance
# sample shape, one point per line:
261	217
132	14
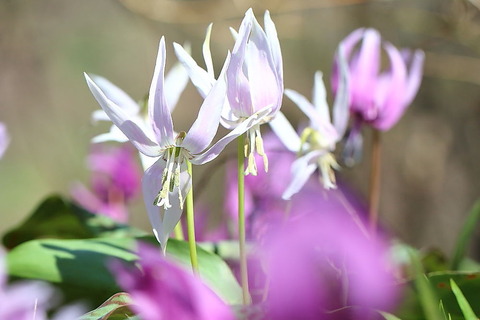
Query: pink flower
162	290
378	97
311	259
115	181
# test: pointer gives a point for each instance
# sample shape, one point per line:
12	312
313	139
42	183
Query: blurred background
430	175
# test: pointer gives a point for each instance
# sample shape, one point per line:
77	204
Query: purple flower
4	139
378	98
319	263
115	181
162	290
167	182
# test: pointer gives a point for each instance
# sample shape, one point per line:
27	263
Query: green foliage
462	302
58	218
115	308
465	235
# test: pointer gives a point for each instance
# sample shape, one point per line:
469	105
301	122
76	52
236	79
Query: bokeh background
431	174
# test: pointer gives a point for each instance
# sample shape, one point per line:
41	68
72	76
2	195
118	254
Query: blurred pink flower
319	263
162	290
115	181
4	139
378	98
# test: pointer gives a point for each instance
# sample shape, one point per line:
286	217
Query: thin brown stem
374	194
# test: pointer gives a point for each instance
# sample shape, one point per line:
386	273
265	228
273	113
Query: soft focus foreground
329	210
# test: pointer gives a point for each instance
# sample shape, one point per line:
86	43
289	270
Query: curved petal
206	125
320	97
414	76
123	121
207	55
393	106
159	112
175	83
243	127
341	112
306	107
285	132
163	221
301	169
116	95
114	134
272	37
99	115
4	139
200	78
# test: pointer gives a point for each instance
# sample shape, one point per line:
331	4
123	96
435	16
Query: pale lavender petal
265	84
414	76
307	108
320	97
159	112
207	55
392	107
175	83
285	132
116	95
114	134
272	36
341	105
124	122
4	139
206	125
302	168
351	41
238	89
243	127
99	115
163	221
200	78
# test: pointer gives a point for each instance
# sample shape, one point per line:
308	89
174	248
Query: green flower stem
191	225
241	219
374	198
178	231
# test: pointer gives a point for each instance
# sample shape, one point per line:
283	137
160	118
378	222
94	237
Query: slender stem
191	225
178	231
374	198
241	219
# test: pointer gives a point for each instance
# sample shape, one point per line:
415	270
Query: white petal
207	55
301	169
341	112
124	122
116	95
285	132
175	83
320	97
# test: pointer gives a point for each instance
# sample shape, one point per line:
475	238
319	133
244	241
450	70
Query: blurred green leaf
115	308
79	268
58	218
462	302
389	316
465	235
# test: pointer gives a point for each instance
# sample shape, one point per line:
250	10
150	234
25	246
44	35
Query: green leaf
462	302
426	294
389	316
115	308
465	235
467	282
58	218
79	268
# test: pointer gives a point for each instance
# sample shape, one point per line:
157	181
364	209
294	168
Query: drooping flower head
378	98
4	139
318	140
115	180
166	182
162	290
254	80
324	265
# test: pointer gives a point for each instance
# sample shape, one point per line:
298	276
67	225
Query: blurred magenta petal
161	290
115	181
4	139
310	259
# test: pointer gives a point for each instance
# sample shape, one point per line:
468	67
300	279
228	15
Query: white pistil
254	144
